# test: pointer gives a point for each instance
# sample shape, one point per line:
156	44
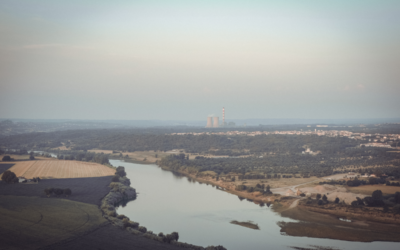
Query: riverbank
230	187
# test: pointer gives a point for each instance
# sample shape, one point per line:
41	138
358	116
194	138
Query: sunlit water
202	214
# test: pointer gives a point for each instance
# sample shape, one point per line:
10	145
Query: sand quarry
332	192
60	169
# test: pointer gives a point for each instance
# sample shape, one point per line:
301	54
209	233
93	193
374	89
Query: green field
32	222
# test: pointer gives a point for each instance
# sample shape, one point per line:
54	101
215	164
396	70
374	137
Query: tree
120	171
7	158
318	196
31	157
324	198
9	177
337	200
377	195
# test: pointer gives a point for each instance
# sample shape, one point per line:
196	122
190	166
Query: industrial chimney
209	122
216	121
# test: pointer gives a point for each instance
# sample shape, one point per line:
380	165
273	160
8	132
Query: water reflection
202	216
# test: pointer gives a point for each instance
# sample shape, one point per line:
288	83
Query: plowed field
60	169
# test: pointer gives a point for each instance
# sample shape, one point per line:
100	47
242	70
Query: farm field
32	222
60	169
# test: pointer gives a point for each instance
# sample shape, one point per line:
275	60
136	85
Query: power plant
209	122
216	122
213	121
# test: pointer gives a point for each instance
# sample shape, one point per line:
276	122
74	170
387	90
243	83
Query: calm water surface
201	214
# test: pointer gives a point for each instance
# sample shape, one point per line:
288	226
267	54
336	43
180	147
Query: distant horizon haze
183	60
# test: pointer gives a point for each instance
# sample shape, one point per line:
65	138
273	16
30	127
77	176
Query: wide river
167	202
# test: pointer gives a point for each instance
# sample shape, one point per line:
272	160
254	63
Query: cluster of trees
258	188
57	191
379	200
83	156
9	177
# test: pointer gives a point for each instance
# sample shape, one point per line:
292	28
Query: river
202	214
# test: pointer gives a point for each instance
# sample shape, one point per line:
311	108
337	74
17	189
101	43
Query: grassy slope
32	222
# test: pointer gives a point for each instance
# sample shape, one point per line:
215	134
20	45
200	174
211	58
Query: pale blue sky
187	59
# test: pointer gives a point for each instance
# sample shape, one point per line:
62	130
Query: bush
115	178
47	192
112	213
120	171
7	158
175	235
337	200
142	229
31	157
58	191
320	202
121	217
377	195
324	198
125	222
9	177
67	192
318	196
215	248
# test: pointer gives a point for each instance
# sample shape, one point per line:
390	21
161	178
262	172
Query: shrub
318	196
120	171
142	229
377	195
67	192
320	202
125	222
115	178
215	248
9	177
337	200
7	158
31	157
47	192
175	235
121	217
58	191
133	224
112	213
324	198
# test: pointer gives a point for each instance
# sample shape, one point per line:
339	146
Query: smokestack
209	122
216	121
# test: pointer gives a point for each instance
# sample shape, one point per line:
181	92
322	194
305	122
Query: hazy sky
187	59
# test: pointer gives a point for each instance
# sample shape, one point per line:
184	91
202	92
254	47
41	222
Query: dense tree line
82	156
